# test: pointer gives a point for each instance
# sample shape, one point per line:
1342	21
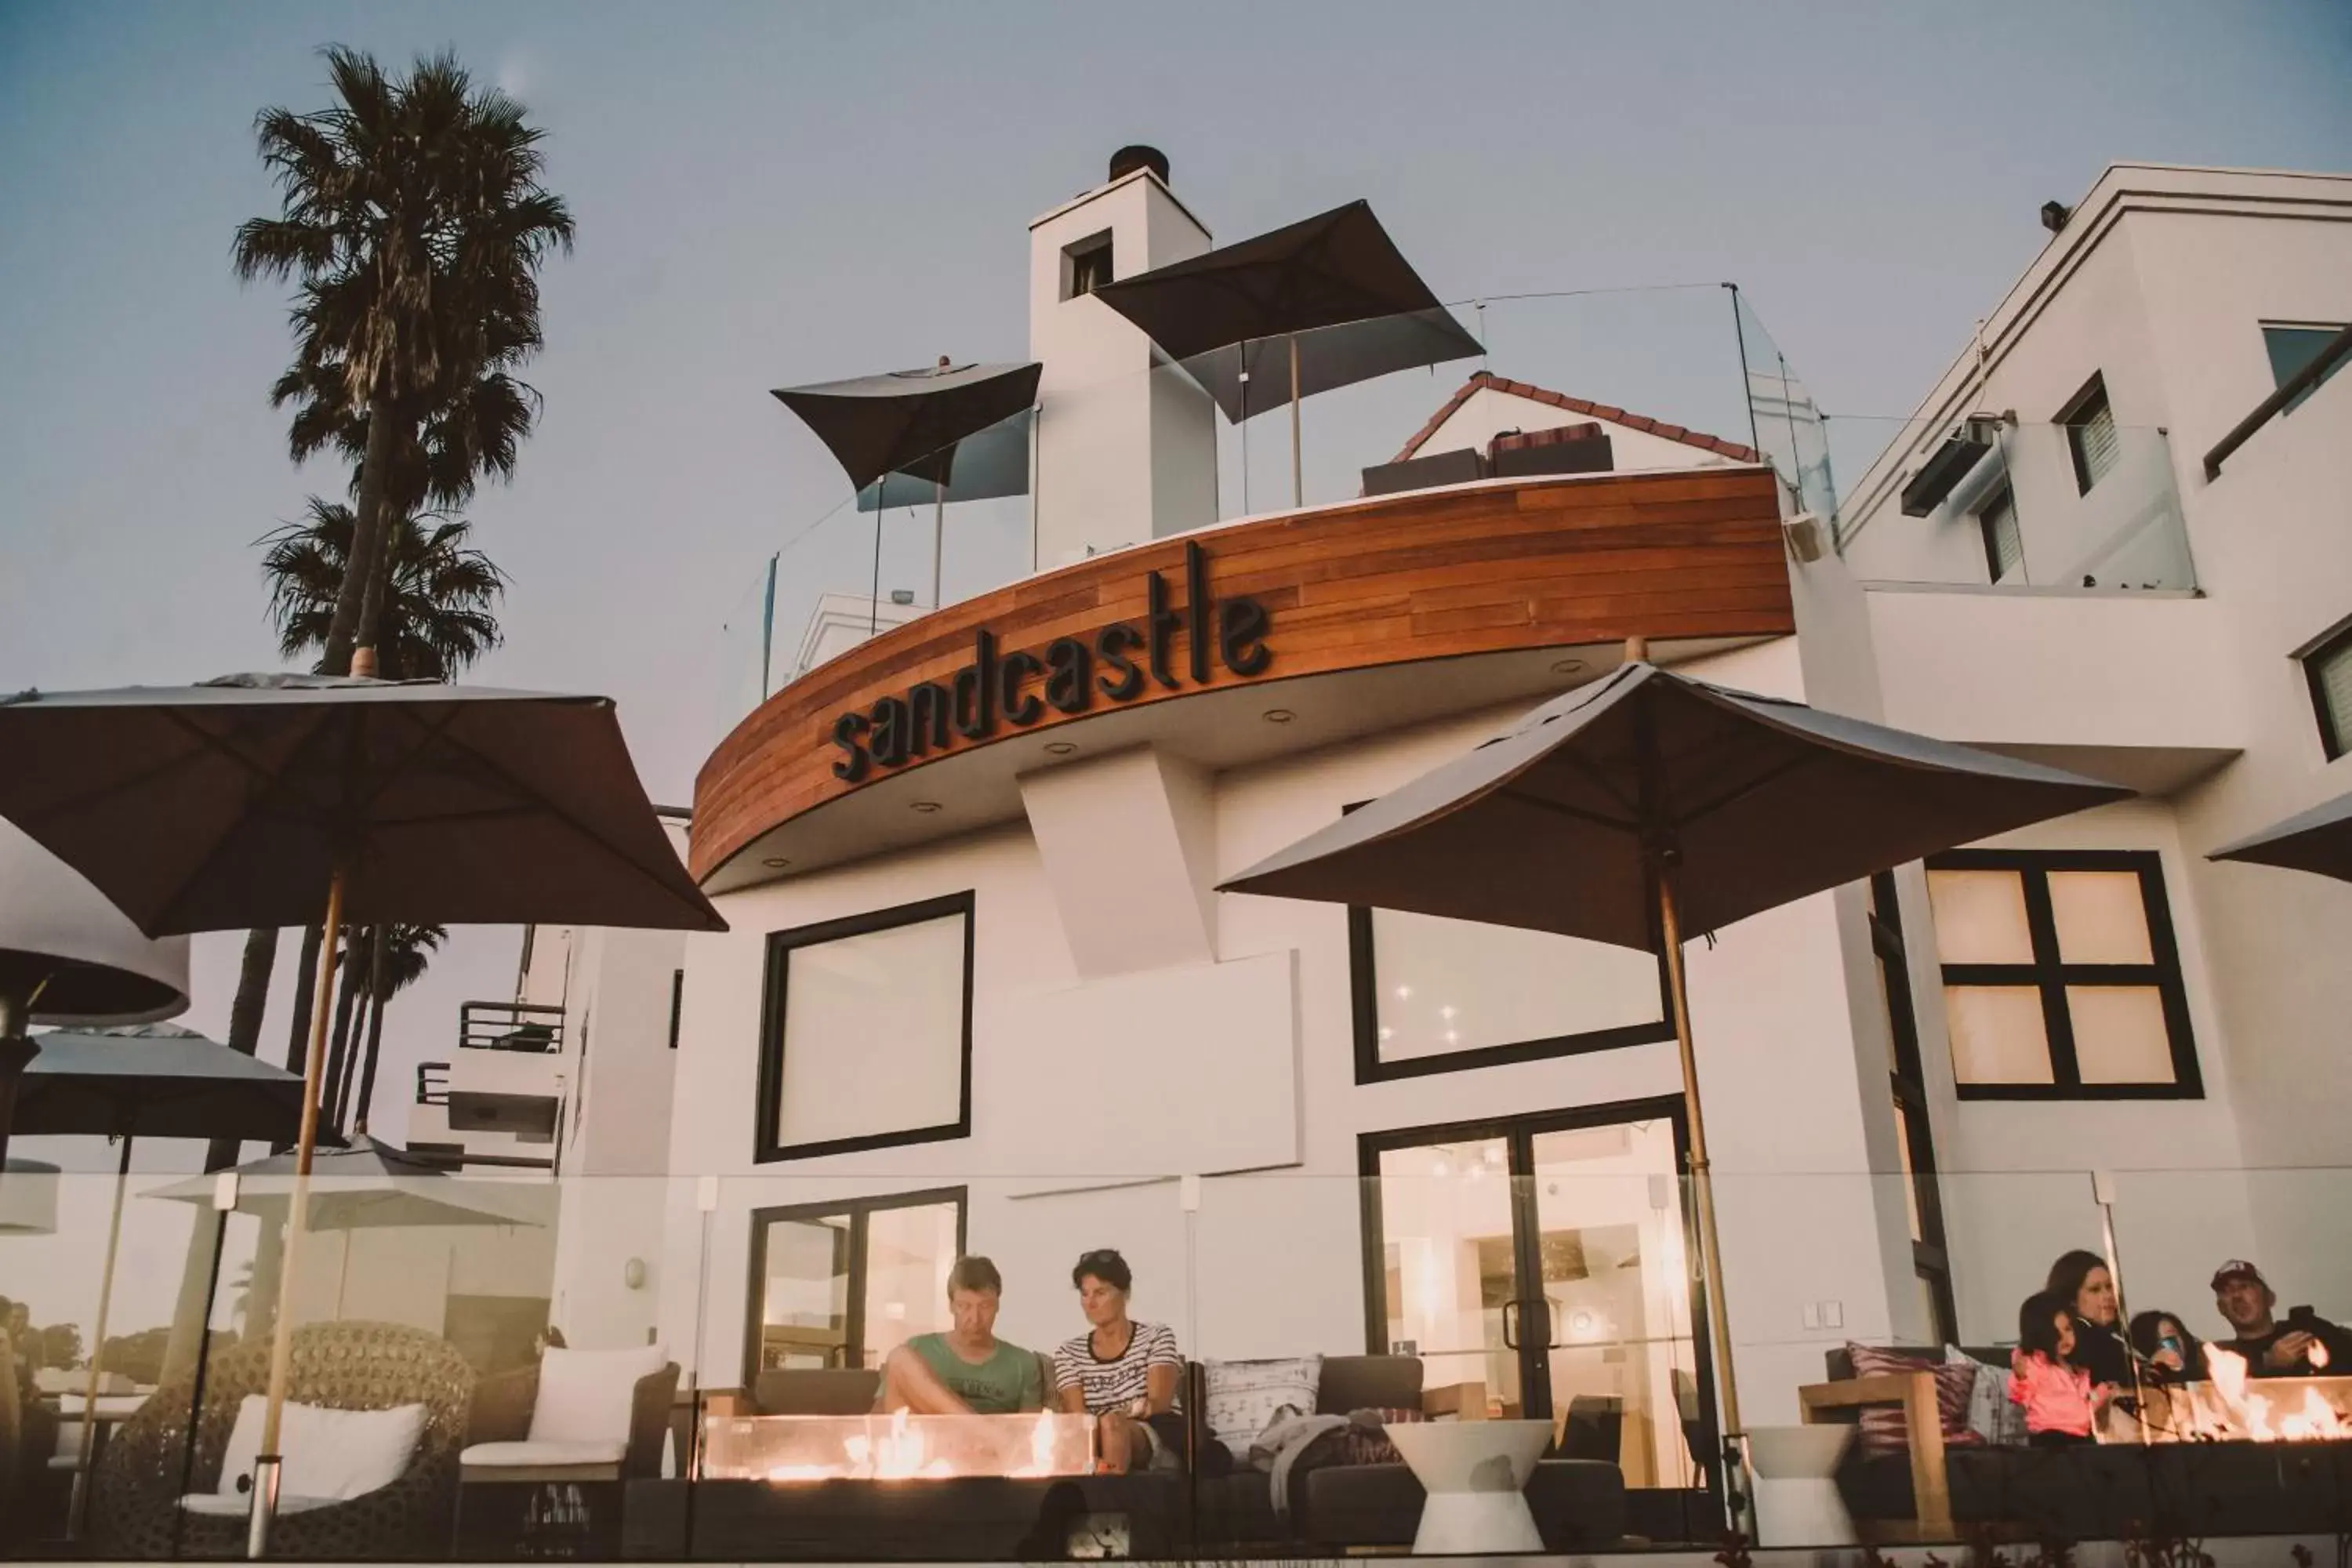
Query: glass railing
1530	1301
1986	501
1679	377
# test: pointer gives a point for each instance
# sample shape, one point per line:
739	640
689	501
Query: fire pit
899	1446
2231	1408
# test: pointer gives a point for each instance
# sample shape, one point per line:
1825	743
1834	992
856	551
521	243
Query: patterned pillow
1994	1418
1882	1425
1244	1395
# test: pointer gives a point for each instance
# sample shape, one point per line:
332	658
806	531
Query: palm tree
439	603
412	219
400	955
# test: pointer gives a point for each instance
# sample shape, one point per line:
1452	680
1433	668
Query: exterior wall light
925	806
775	862
1061	748
1279	715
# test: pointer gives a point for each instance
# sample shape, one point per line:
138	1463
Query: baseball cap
2238	1269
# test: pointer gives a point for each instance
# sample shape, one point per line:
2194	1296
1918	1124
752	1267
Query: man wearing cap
2303	1346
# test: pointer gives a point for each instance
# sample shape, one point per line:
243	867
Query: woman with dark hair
2085	1287
1122	1373
2166	1348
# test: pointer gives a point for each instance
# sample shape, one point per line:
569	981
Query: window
677	1002
2004	548
867	1039
2327	663
2090	434
2061	978
1549	1259
843	1284
1086	265
1440	996
1913	1133
2291	347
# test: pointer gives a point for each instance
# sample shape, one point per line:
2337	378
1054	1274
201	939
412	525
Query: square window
2090	424
2291	347
1437	995
868	1040
1086	265
2328	666
2061	978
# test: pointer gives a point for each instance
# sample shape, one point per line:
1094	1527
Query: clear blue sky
776	192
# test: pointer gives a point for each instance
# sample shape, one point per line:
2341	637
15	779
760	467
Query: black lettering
1162	622
1240	630
1069	688
891	731
975	689
1196	610
845	730
1016	668
1110	643
927	706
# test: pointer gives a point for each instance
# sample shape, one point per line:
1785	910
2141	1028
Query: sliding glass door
1548	1258
841	1284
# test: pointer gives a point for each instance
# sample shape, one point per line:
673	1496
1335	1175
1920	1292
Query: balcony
508	1077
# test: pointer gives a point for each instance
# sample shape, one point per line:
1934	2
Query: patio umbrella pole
78	1513
1297	484
939	539
267	1464
1733	1458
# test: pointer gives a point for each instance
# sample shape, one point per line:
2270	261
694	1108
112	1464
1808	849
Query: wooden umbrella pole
1719	1311
267	1464
1298	483
77	1511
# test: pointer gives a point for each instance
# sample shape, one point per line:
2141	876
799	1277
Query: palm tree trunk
367	536
366	1022
245	1015
378	594
379	983
298	1038
340	1039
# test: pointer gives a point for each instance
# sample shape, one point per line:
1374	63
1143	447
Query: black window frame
1989	529
2325	333
858	1211
2332	642
2050	976
2080	409
1079	258
1931	1257
1363	981
677	1002
767	1103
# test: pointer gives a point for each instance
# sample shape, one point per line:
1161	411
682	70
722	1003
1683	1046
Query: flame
1041	1449
902	1451
2246	1413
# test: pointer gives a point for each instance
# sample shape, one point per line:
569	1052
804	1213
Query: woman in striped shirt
1122	1373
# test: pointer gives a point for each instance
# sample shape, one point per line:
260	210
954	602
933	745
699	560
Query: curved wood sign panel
1427	574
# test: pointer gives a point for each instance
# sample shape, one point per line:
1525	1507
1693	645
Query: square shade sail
2319	840
1335	283
910	421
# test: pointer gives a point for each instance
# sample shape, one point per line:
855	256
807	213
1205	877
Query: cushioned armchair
579	1415
135	1510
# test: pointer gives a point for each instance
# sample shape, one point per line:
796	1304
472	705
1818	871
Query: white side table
1797	1501
1475	1473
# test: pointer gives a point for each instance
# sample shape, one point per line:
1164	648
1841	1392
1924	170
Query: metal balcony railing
432	1083
527	1028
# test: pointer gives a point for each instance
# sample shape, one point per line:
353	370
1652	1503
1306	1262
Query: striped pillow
1882	1430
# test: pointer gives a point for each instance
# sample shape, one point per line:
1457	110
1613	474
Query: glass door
1548	1258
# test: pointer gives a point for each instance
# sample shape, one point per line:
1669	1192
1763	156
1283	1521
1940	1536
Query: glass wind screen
908	1252
1447	1262
2119	1033
2101	917
1457	986
1998	1034
2293	348
804	1294
1980	917
873	1034
1616	1280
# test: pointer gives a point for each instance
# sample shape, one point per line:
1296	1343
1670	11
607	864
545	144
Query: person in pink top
2060	1400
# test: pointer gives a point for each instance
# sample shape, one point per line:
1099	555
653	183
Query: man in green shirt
967	1370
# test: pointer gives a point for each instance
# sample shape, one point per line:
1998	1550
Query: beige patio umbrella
264	800
1646	807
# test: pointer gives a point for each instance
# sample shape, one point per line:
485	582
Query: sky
769	194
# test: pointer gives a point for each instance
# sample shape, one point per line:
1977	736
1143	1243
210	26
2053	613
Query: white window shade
873	1037
2100	916
1980	917
1446	985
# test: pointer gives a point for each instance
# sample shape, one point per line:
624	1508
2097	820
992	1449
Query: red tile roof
1483	380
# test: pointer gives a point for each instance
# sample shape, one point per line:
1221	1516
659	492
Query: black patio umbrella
156	1080
1646	805
924	424
2317	840
1330	294
254	799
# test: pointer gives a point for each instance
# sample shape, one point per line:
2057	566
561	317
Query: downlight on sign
1114	665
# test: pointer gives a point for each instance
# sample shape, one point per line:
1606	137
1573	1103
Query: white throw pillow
1995	1419
336	1455
585	1396
1244	1395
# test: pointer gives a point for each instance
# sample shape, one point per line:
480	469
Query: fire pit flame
2231	1406
799	1449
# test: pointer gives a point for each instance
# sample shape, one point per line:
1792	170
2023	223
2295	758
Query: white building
982	995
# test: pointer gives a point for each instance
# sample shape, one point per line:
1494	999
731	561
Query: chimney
2055	216
1127	160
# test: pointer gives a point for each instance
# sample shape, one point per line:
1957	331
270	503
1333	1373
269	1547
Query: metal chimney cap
1127	160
